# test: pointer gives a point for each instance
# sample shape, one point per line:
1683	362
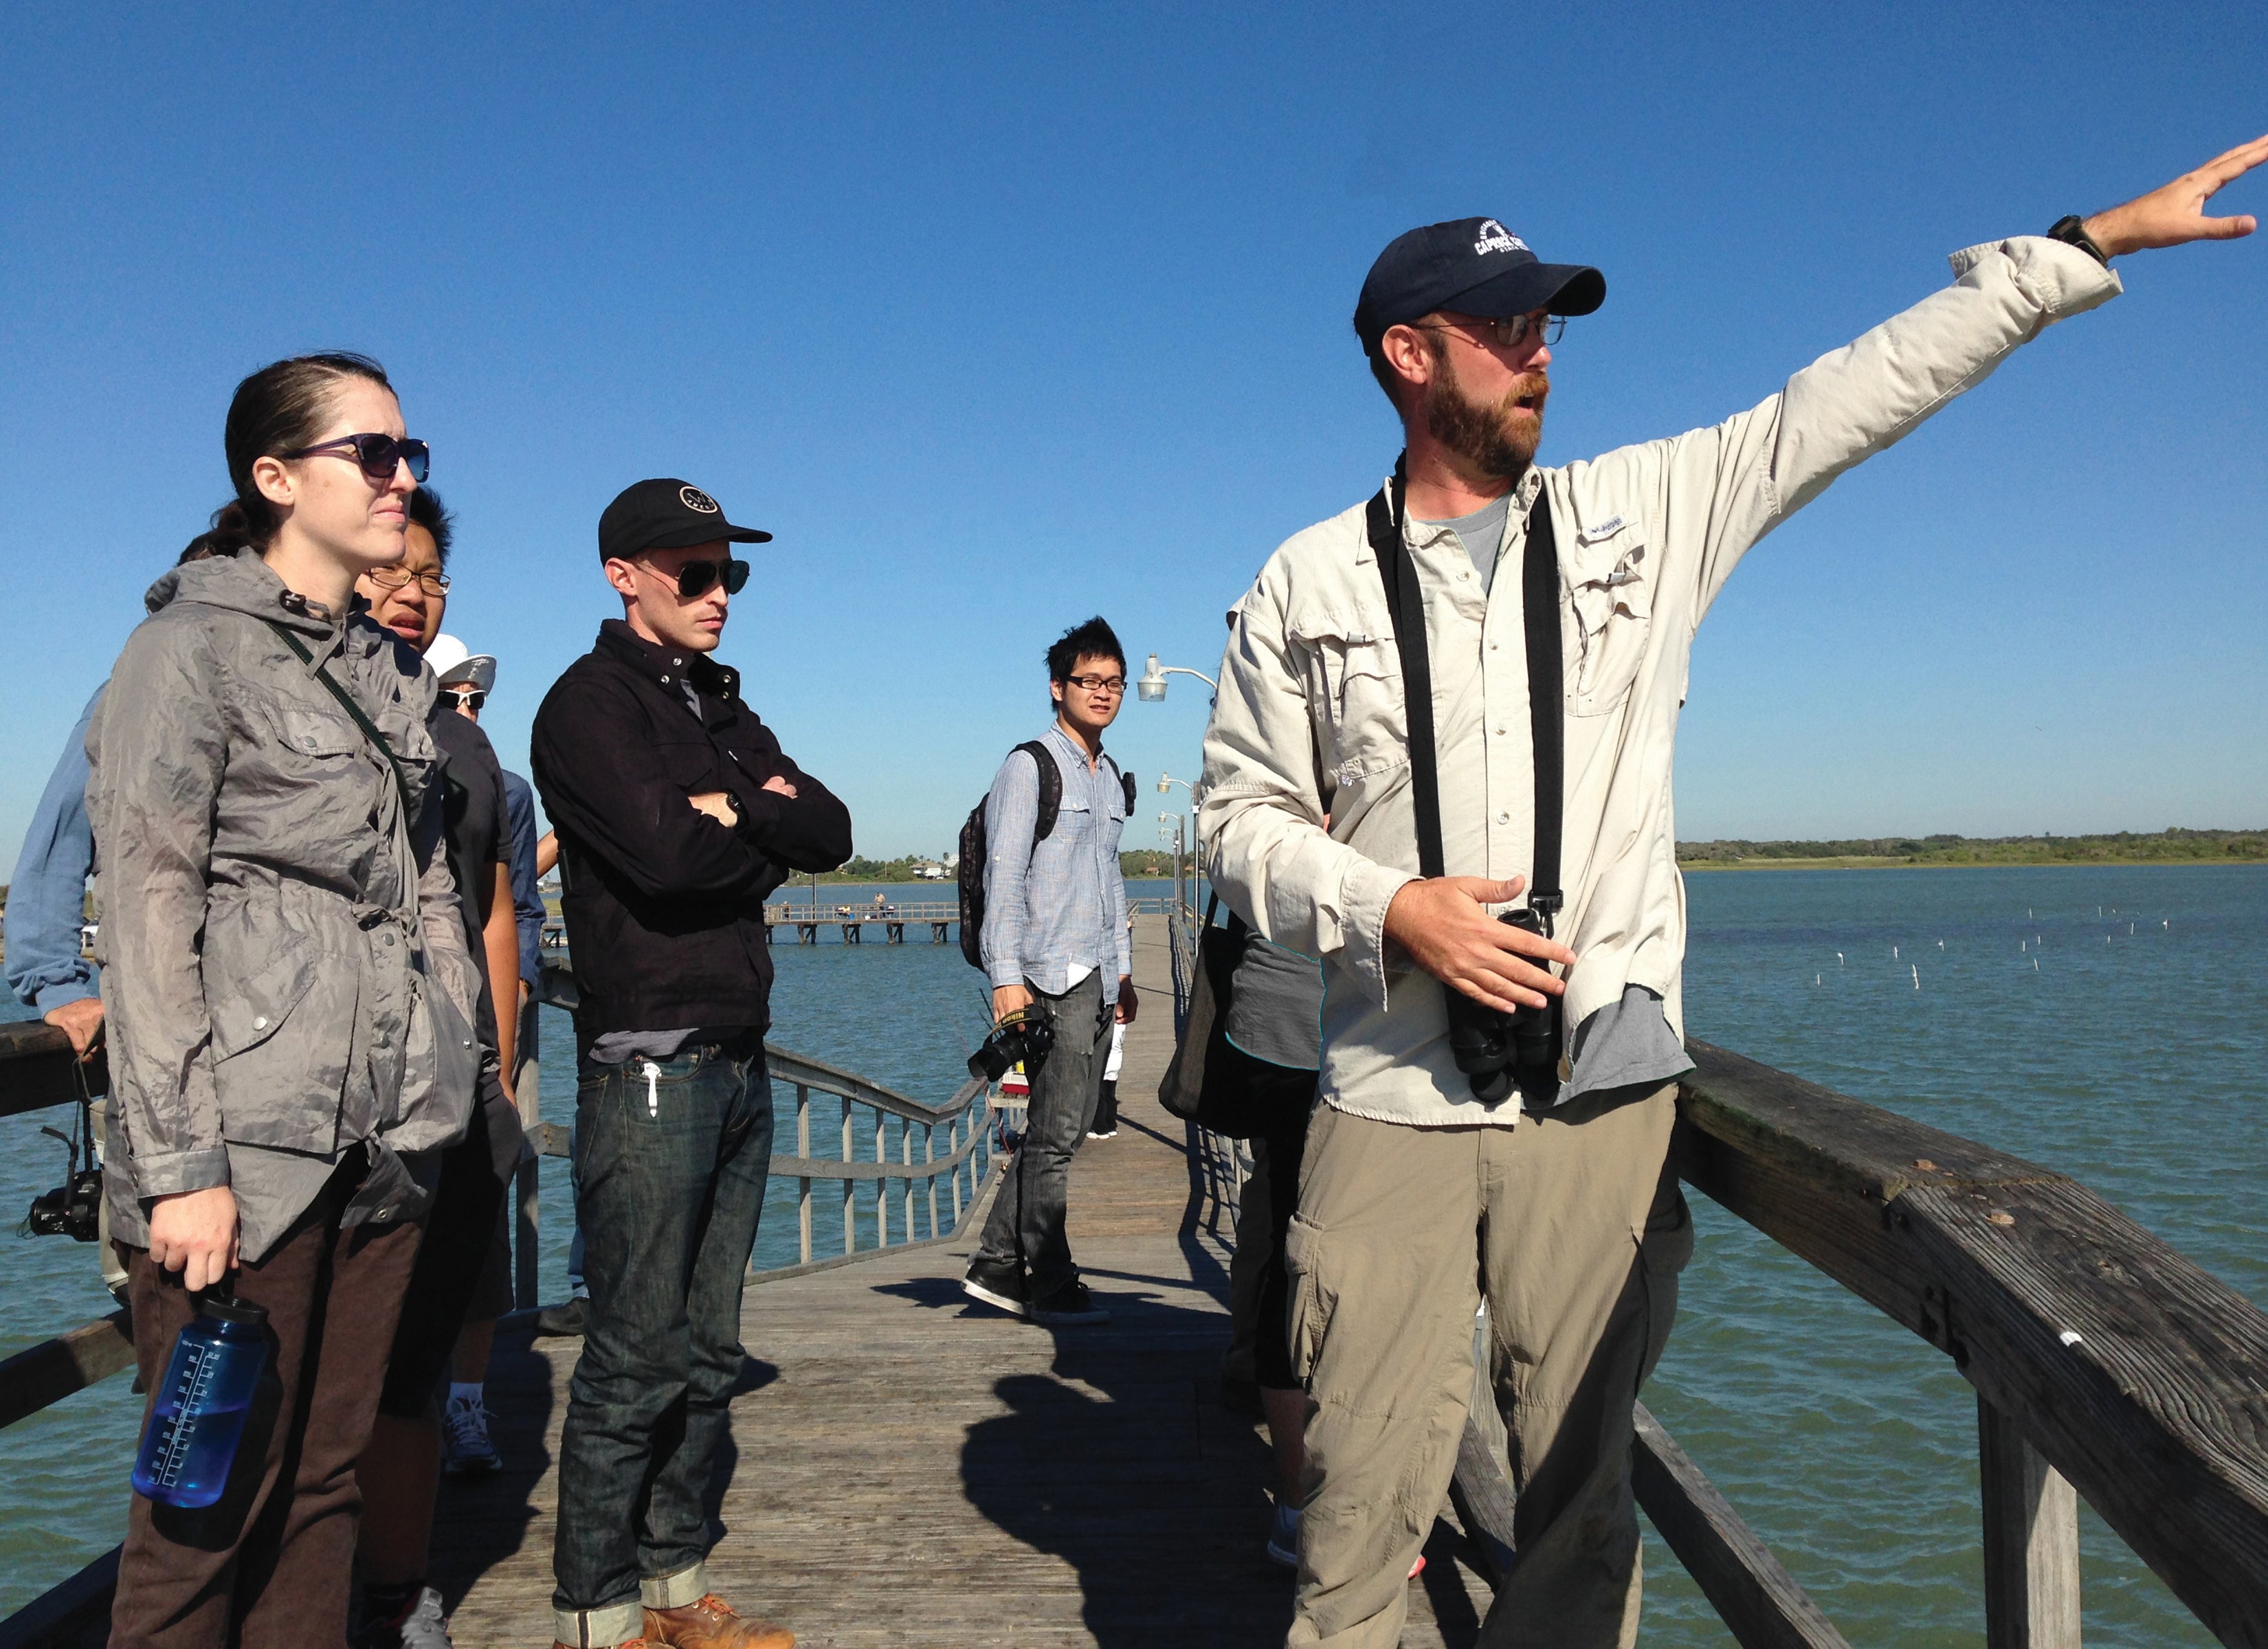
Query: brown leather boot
710	1623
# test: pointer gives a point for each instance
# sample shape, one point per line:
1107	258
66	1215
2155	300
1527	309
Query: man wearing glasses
1383	829
1054	942
676	813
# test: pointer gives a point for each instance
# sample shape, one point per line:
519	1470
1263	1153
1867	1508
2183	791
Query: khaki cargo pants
1574	1229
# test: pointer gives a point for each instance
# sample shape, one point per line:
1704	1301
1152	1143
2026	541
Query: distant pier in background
853	920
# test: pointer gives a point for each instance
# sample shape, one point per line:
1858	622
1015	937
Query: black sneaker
1068	1307
998	1283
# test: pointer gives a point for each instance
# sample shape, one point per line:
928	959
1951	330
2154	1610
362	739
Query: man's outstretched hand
2174	215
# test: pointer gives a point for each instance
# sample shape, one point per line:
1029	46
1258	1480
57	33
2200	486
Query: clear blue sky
1001	316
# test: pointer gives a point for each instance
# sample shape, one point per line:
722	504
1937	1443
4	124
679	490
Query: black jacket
664	905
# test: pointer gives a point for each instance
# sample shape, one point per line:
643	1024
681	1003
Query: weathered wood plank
74	1614
1759	1601
54	1369
38	1069
2031	1540
2140	1377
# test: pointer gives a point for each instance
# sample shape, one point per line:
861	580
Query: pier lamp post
1150	686
1179	822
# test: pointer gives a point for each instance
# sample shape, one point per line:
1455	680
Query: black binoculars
1498	1051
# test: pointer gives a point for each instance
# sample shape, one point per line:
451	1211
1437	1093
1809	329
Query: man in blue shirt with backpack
1053	942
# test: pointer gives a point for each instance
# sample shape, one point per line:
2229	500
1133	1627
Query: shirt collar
667	665
1070	746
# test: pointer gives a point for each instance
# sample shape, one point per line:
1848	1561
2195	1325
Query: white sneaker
466	1450
424	1627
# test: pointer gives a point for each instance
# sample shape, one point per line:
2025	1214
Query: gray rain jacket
284	969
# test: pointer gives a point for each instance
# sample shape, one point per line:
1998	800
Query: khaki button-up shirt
1310	723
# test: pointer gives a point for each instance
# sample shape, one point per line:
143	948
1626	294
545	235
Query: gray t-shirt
1276	1005
1482	534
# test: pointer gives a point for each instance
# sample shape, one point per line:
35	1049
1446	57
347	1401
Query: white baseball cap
457	667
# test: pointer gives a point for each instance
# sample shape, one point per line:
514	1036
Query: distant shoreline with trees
2174	846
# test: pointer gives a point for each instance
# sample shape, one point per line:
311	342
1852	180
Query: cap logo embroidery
1496	238
694	498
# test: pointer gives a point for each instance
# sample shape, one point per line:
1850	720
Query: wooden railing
2105	1364
971	1153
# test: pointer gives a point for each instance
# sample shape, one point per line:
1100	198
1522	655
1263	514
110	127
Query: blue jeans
671	1160
1026	1227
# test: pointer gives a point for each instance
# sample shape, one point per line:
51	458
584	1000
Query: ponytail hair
227	534
278	409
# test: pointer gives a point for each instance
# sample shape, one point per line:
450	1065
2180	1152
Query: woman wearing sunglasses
288	990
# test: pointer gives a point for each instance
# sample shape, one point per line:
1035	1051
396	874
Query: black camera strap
1539	584
361	720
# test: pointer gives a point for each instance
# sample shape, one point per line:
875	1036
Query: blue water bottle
198	1417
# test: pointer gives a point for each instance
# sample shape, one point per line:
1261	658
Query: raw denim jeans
1026	1225
671	1159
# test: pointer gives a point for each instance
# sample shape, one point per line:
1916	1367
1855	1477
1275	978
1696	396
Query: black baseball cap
667	513
1474	266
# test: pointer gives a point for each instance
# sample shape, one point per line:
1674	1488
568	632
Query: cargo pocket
1313	1303
1611	579
1664	1248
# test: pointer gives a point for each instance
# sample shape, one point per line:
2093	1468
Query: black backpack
974	852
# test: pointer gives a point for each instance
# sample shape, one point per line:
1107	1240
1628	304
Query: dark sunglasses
697	577
471	697
377	454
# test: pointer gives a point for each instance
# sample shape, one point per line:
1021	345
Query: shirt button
1503	818
1499	732
1492	646
260	1022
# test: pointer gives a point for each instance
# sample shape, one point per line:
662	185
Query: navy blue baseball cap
1474	266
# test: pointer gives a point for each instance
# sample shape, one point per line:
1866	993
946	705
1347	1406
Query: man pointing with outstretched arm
1463	689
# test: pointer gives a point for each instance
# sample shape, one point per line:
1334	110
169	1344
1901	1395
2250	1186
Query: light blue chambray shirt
46	899
1056	908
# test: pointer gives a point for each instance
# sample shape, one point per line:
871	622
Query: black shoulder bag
1496	1052
1212	1081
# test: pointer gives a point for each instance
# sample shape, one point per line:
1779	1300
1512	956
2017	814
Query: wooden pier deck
908	1468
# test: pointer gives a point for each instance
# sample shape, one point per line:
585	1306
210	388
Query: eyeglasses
695	578
1113	685
377	454
469	697
399	577
1506	333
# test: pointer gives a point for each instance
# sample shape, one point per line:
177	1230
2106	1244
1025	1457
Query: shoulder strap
1407	606
346	700
1547	711
1546	685
1043	821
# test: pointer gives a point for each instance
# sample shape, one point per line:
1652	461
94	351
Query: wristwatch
2072	231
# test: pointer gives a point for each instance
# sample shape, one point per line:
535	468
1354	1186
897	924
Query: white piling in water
1917	978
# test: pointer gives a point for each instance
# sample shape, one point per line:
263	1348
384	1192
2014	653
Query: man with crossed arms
1416	1200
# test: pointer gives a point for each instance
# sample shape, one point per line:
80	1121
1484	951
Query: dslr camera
73	1208
1023	1038
1498	1051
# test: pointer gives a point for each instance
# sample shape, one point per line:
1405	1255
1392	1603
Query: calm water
2132	1060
